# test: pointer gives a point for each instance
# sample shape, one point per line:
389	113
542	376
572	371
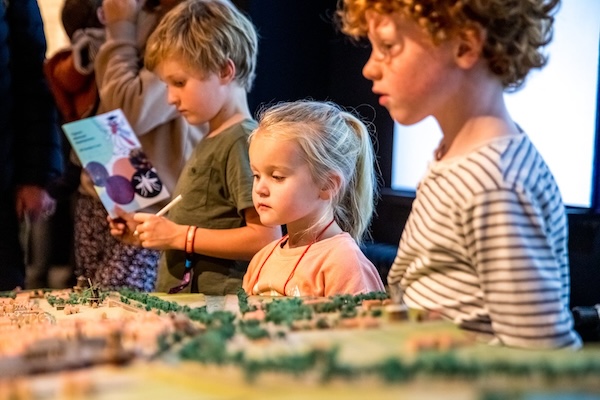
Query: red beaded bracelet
189	258
189	242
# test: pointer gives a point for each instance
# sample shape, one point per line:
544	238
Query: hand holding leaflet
112	155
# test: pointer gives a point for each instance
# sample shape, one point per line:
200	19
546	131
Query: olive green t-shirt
216	187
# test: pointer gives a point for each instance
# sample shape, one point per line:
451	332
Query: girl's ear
469	46
331	187
227	72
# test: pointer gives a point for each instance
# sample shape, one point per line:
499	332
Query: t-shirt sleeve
239	175
520	277
347	271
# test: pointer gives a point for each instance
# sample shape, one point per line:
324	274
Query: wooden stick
164	210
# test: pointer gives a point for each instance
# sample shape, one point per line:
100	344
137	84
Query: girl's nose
260	188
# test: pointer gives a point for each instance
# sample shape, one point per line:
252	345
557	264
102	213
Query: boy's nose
171	98
370	70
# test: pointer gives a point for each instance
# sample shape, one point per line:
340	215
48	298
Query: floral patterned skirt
110	264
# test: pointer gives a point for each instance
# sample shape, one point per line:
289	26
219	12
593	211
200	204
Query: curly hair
516	30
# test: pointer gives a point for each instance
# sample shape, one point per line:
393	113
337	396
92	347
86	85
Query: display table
209	349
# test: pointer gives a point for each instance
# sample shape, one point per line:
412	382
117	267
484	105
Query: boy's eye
277	178
385	47
384	51
178	84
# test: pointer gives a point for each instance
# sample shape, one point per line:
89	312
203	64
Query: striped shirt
486	245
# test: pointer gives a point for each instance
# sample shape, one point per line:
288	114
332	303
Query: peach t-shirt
331	266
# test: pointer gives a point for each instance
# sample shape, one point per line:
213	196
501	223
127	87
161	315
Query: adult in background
30	152
124	82
70	75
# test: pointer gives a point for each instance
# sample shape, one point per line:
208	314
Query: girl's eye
278	178
179	84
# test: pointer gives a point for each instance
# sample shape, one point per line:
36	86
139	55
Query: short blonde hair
515	30
204	35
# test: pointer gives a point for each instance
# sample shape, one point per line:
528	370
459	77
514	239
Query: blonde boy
205	52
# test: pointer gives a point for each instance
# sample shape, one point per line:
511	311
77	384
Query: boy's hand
124	227
120	10
159	233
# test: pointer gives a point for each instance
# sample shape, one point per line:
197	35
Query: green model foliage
9	294
210	346
286	311
243	302
253	329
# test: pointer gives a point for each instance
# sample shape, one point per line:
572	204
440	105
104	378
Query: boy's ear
100	14
331	187
227	72
469	46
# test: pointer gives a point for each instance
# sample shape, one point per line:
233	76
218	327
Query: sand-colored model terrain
132	345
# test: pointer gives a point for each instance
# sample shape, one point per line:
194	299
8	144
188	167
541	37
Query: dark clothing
110	264
30	143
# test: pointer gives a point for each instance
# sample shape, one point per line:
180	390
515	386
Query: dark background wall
302	55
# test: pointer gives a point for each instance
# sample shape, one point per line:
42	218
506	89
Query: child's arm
522	279
122	80
232	244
